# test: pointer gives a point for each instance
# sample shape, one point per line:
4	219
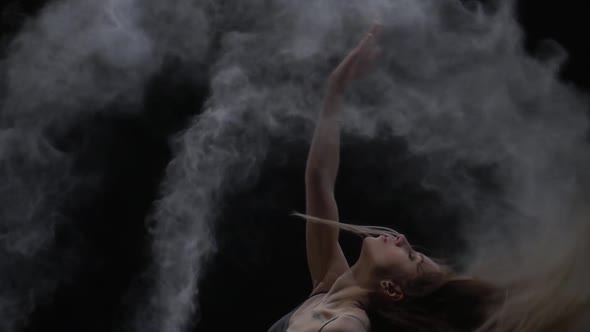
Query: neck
351	289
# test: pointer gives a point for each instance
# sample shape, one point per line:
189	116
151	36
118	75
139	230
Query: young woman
391	287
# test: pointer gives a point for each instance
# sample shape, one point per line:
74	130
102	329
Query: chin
369	240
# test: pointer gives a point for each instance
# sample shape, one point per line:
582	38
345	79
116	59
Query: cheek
390	257
384	255
396	256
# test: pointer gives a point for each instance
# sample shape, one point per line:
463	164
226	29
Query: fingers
372	35
367	45
367	40
356	63
362	49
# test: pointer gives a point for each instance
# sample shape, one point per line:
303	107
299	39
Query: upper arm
325	258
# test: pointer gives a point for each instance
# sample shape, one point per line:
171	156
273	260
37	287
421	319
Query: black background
261	256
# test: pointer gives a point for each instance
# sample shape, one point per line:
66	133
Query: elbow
317	178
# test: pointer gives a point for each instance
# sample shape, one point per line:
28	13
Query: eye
411	255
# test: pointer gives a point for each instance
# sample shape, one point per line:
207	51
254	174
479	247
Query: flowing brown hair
437	302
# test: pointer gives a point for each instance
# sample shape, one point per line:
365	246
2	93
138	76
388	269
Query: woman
391	286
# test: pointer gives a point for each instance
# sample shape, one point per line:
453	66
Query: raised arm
325	258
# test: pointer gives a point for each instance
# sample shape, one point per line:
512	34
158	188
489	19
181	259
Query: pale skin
347	287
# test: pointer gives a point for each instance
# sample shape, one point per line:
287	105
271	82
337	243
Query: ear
392	290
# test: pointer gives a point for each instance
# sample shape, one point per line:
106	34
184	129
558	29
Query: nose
401	241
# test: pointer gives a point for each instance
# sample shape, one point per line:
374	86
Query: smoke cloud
455	82
74	59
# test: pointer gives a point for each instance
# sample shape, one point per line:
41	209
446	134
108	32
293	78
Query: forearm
325	257
324	154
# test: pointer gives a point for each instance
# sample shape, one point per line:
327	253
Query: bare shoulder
349	322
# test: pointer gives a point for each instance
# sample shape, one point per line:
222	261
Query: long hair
435	302
359	230
547	291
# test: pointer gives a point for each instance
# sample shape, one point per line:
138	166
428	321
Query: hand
357	62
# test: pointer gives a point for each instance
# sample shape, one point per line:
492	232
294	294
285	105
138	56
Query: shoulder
349	322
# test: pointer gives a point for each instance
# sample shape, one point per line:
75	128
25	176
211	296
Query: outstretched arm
324	255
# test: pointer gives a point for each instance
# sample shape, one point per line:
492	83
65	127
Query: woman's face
396	256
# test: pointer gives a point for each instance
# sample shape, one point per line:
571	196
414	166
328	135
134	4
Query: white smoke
76	57
455	81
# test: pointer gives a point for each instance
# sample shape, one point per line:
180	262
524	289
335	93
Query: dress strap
326	323
348	315
358	319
